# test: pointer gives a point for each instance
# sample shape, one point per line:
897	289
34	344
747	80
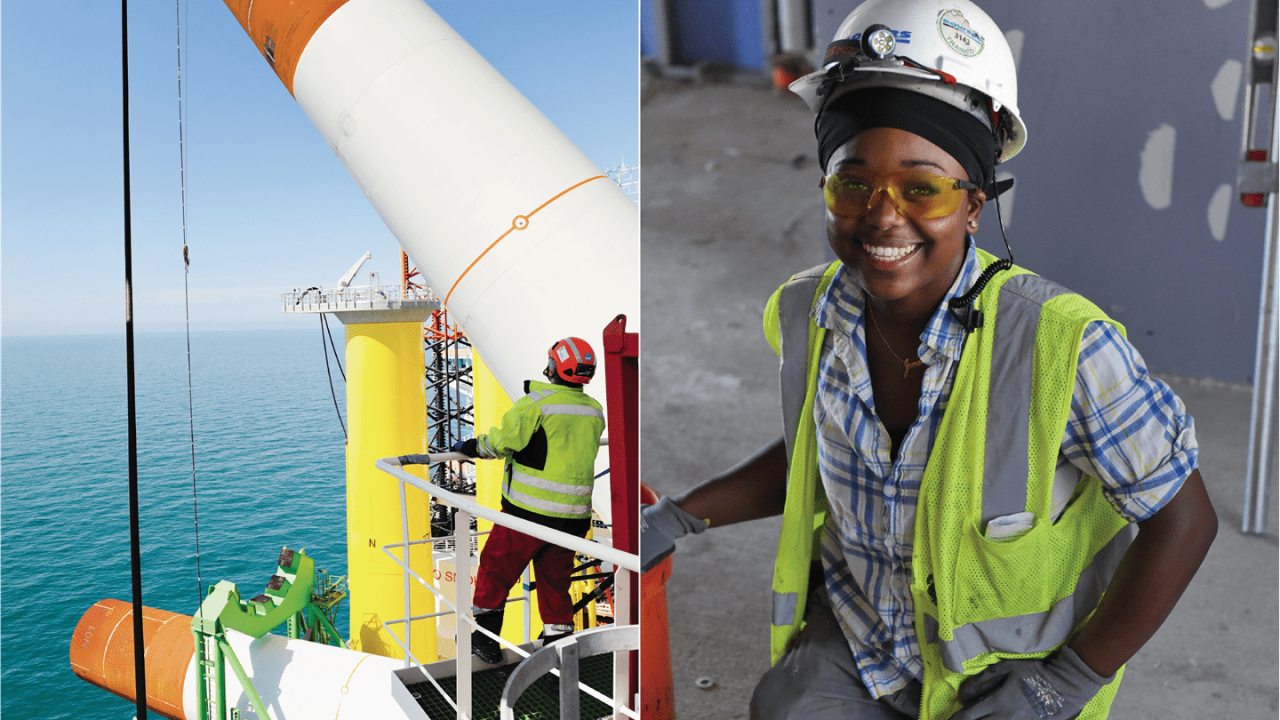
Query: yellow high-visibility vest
977	600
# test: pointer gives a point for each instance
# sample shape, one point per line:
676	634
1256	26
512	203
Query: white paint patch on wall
1155	174
1006	200
1225	88
1219	209
1015	38
1215	4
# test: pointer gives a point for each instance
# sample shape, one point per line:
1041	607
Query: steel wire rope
324	329
135	519
334	348
186	298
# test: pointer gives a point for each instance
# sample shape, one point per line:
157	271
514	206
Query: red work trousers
505	556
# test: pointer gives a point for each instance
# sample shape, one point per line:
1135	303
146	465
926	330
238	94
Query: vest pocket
1005	577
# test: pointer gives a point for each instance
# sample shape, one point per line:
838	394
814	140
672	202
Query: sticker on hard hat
562	353
902	36
957	34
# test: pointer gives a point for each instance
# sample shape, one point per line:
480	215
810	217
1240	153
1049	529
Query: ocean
270	472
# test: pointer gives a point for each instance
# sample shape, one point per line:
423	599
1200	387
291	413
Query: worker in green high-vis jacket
549	439
988	504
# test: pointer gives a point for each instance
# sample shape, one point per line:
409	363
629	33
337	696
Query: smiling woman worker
972	455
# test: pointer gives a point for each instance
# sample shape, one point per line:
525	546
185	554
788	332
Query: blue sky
268	206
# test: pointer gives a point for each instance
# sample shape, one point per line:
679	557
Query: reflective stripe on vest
542	483
795	303
1034	632
784	608
570	410
516	479
1004	481
549	506
485	450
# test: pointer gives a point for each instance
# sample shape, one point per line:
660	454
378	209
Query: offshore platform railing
366	297
460	604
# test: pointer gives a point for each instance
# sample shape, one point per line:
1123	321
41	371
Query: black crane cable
334	347
324	330
135	543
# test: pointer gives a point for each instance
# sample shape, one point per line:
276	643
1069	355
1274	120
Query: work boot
483	646
553	632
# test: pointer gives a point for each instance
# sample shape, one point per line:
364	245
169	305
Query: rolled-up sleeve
1126	427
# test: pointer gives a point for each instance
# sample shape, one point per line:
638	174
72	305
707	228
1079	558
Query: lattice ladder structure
1258	185
450	401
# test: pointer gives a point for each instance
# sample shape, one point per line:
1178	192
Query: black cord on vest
962	308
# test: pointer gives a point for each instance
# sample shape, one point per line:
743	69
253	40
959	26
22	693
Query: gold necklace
907	365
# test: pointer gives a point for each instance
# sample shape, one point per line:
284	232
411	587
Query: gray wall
1096	80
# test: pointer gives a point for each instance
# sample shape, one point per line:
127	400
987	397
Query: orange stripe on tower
102	653
281	29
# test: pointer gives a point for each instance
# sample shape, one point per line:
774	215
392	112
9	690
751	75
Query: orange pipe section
281	29
102	653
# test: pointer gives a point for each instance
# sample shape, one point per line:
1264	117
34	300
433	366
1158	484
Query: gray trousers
816	679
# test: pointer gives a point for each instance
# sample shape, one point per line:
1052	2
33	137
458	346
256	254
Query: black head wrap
959	134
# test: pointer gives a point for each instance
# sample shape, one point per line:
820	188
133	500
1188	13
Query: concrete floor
730	209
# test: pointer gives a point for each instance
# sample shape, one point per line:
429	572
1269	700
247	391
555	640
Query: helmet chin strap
553	377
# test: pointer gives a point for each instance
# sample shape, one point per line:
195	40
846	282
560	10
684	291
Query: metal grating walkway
540	702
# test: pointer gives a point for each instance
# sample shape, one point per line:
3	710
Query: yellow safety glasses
915	193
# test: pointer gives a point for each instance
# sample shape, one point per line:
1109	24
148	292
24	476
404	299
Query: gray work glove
1057	687
660	525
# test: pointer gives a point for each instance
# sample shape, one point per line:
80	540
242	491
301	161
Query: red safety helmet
573	360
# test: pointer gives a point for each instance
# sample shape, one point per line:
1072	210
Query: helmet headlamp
878	42
954	56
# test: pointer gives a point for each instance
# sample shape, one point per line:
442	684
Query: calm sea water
269	469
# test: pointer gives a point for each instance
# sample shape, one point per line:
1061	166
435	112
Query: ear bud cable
962	307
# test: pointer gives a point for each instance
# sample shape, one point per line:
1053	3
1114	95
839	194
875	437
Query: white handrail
461	608
618	558
433	458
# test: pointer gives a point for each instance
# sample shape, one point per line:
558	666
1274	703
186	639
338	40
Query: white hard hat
945	49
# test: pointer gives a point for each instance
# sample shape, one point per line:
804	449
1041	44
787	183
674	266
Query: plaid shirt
1126	428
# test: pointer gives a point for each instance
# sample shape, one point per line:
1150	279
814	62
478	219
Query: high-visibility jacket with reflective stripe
977	601
550	439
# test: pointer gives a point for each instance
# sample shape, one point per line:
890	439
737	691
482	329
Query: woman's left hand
1059	687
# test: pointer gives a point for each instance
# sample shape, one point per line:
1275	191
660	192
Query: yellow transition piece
386	415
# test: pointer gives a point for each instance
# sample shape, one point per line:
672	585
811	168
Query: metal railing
367	297
563	656
460	606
